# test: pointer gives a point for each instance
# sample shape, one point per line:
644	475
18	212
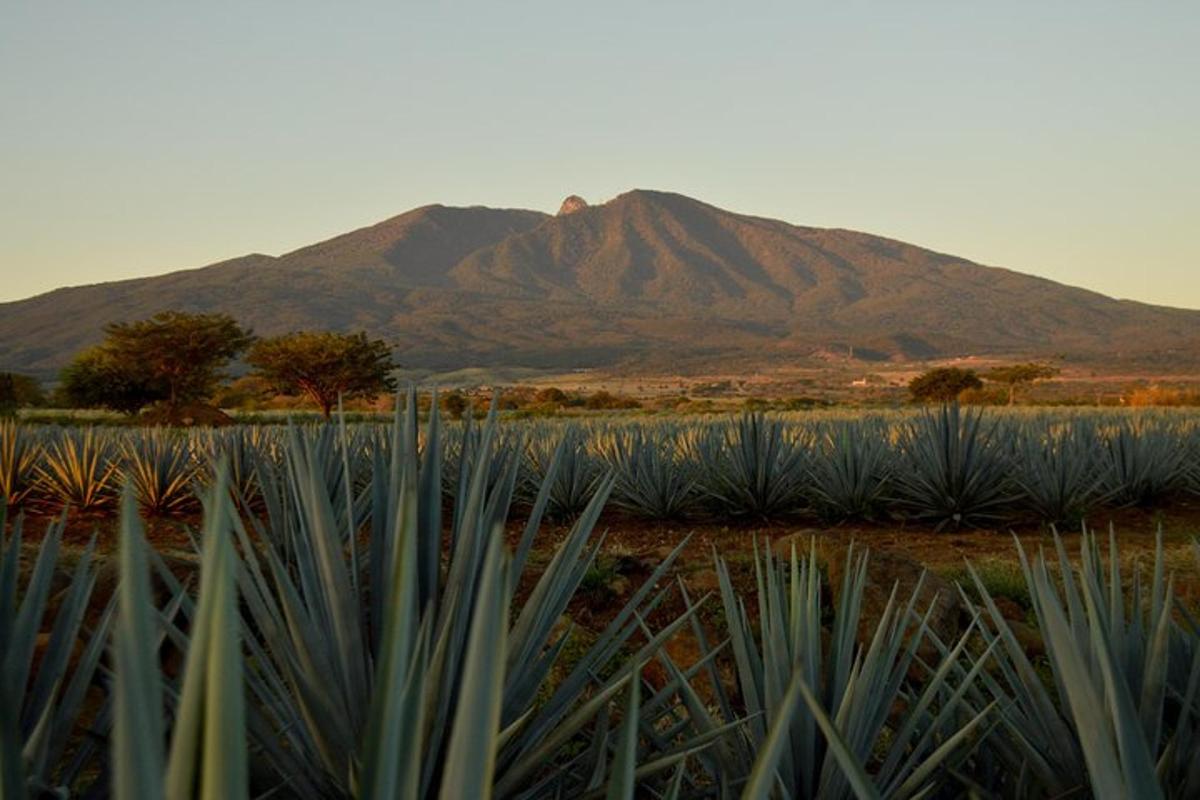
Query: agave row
947	467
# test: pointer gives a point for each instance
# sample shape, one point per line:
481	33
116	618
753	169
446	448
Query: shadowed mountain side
644	276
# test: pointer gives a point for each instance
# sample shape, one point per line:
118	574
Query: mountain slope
355	280
646	276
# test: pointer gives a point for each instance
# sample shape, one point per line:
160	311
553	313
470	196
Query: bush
1163	396
455	404
515	397
943	385
983	397
551	395
603	401
19	391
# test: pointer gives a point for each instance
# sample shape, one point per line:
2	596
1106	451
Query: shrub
455	404
550	396
19	391
603	400
943	385
983	396
1162	396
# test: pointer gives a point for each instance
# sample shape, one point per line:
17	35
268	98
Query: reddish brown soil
628	536
634	547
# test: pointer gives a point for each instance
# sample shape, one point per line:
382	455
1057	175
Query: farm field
950	468
613	601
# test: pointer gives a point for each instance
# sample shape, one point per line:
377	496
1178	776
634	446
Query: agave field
948	468
355	623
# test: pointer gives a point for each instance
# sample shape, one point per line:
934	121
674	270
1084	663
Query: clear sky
1059	139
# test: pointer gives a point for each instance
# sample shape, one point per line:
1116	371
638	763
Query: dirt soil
633	547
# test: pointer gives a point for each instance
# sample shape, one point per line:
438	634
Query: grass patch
1001	578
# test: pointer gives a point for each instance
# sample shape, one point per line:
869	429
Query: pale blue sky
1053	138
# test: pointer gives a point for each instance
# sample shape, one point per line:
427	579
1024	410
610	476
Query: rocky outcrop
571	205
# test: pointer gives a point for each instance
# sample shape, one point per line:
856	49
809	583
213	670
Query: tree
97	379
551	396
19	391
455	404
1020	375
8	395
943	384
324	365
181	354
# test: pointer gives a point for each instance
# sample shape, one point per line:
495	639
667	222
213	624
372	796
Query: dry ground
632	547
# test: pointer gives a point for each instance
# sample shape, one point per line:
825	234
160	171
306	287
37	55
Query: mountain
649	278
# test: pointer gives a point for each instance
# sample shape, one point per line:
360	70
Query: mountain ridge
647	275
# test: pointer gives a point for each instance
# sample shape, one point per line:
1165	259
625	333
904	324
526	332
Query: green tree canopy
324	365
1018	375
19	391
183	353
943	384
173	357
97	379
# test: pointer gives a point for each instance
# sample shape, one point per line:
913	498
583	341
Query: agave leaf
138	725
621	784
471	754
208	743
397	705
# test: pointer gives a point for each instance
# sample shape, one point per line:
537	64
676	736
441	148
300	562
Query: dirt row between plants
632	549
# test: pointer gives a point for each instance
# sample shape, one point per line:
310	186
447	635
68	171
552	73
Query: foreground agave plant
208	754
1121	716
39	710
376	672
819	705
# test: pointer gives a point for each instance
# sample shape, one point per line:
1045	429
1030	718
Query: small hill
649	277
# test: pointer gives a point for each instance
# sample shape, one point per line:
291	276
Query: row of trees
945	384
176	359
